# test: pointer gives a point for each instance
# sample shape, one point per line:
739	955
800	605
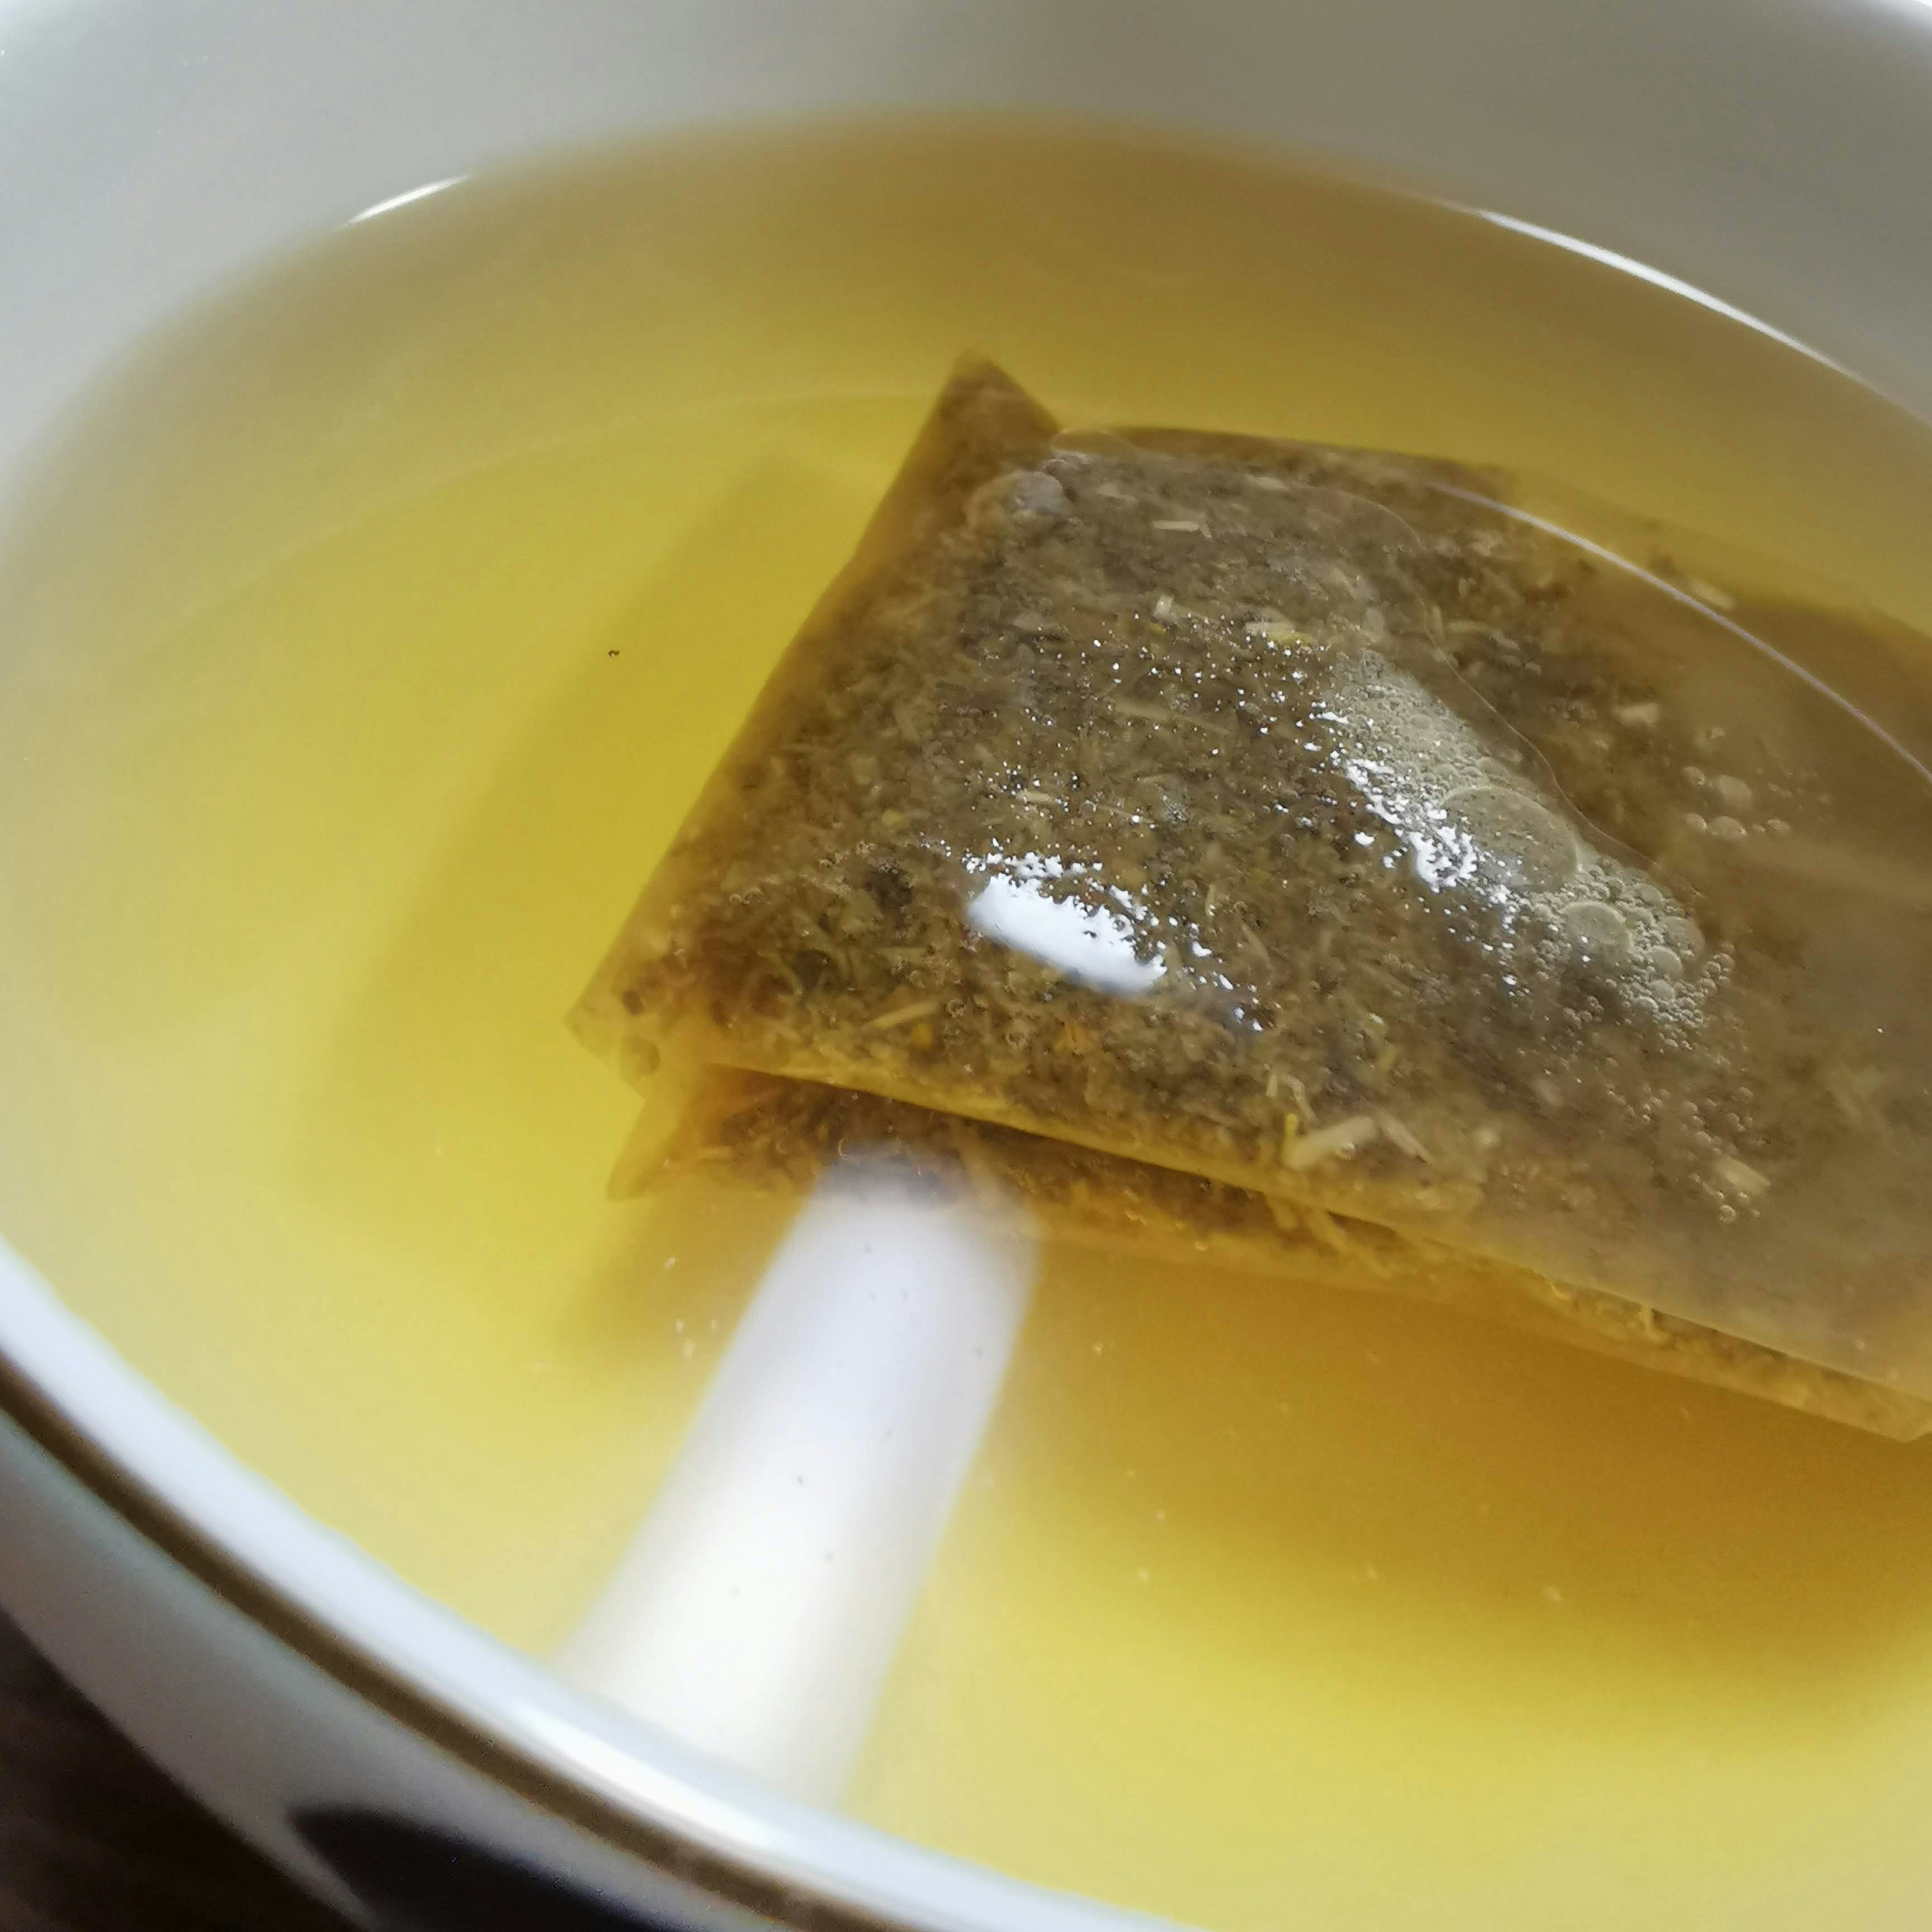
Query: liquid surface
357	650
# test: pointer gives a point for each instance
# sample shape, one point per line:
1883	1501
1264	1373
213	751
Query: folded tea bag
771	1134
1315	823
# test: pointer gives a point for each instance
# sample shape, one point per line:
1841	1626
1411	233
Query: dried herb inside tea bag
771	1134
1317	823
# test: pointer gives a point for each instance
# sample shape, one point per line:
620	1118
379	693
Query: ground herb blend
1316	822
777	1135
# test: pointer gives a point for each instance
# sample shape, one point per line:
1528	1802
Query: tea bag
779	1135
1316	822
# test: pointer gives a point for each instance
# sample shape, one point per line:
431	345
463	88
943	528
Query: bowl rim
498	1711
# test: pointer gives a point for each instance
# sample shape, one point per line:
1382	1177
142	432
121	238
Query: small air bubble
1034	494
1520	843
1683	938
1596	931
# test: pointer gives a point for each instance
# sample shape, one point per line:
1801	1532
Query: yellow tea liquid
359	653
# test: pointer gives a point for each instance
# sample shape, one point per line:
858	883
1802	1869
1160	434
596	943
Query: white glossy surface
254	1731
1774	151
762	1601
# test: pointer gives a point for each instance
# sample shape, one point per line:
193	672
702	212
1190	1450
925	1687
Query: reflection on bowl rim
695	1822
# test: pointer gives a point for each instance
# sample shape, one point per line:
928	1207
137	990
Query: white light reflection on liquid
1090	945
1474	829
1420	769
1656	278
758	1609
402	200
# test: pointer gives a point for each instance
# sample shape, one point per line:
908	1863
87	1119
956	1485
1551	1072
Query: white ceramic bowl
1777	151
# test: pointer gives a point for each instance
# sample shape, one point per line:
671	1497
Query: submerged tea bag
771	1134
1315	823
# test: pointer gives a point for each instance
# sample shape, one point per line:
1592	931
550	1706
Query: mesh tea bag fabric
1314	822
774	1135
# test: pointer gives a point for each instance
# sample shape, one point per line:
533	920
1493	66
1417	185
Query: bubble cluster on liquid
1461	802
1474	828
1034	493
